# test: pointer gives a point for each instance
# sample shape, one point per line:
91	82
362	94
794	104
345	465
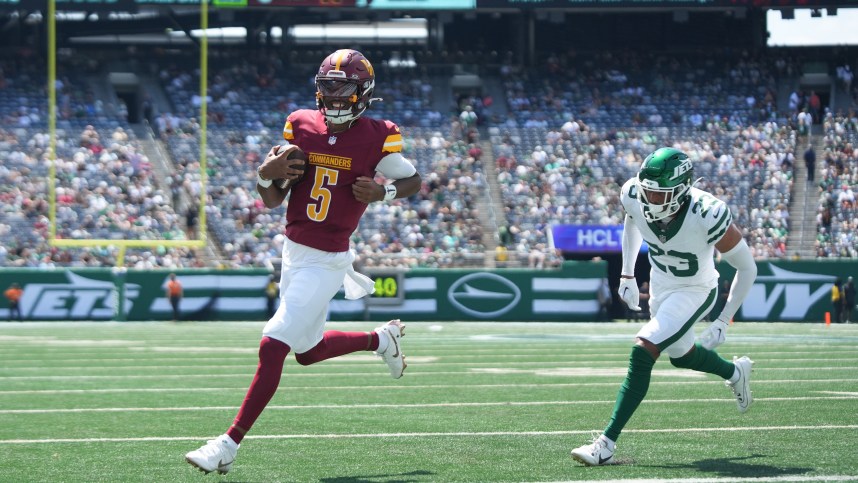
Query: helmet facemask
660	202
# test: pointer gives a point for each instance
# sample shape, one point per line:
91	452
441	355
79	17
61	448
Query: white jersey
681	252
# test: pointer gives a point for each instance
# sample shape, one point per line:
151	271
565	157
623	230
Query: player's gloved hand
715	335
629	293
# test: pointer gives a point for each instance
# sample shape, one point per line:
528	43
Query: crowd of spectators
105	189
573	176
575	133
837	218
636	89
104	185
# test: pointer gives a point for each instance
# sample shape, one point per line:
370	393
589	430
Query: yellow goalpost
52	129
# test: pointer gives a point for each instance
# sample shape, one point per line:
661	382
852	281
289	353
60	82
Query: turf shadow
388	478
737	467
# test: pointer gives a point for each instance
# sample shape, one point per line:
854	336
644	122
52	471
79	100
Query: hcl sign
589	238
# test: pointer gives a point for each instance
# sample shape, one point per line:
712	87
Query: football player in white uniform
683	226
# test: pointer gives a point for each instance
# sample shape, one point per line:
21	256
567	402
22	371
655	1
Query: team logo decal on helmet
664	182
344	86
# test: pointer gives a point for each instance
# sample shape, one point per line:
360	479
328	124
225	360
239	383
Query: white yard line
363	361
413	406
430	435
408	387
369	374
419	352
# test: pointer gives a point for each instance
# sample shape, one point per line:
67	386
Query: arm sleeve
395	166
632	240
746	272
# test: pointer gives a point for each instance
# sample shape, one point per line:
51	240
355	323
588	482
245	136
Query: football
296	153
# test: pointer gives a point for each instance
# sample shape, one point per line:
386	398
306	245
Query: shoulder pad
714	214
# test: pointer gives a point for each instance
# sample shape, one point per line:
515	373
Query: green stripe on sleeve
725	217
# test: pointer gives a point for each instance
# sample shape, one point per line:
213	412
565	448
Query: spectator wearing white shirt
794	101
846	198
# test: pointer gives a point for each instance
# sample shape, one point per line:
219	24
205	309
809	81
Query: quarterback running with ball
683	226
328	194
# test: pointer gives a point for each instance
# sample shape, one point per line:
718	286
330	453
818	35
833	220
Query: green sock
632	391
705	360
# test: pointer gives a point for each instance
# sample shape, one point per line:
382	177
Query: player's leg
218	454
673	315
685	309
629	397
384	340
686	354
335	343
737	374
298	325
681	348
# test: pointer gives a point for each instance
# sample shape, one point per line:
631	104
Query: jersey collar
666	232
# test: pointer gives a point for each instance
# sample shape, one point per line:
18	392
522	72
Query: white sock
229	442
735	377
608	442
383	341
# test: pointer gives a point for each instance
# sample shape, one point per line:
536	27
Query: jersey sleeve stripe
718	235
393	143
287	132
725	217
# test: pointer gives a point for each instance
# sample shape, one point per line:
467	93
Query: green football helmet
664	182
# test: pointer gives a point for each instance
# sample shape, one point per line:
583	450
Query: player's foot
599	452
216	455
392	355
742	387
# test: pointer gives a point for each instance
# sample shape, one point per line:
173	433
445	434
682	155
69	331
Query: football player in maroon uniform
328	194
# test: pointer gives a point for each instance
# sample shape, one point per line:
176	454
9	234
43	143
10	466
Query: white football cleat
216	455
599	452
392	355
742	387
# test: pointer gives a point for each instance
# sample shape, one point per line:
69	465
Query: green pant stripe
705	307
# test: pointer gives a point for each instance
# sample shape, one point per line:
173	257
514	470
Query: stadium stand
560	140
105	185
837	219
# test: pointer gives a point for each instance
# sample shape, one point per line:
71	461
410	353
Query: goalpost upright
124	244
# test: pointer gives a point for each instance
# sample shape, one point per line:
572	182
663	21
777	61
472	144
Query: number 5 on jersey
324	177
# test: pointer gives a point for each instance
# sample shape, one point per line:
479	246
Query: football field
479	402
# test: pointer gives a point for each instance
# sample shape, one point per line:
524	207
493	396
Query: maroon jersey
322	212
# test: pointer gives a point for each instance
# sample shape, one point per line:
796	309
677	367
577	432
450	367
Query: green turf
480	402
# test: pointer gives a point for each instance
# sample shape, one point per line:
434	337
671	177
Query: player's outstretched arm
734	251
632	240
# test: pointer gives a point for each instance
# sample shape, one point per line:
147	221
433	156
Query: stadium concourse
549	145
